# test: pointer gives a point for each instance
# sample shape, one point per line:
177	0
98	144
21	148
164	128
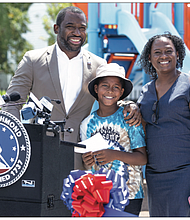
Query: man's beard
64	43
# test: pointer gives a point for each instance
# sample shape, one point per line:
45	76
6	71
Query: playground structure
119	31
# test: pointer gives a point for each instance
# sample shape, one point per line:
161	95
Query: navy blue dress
168	148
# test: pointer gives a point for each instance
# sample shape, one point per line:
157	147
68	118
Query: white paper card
95	143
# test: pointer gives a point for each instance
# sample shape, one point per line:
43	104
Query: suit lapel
54	73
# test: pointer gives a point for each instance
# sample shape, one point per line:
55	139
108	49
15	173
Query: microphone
41	110
47	106
34	107
29	111
12	97
56	100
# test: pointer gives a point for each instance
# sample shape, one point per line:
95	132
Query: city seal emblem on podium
15	149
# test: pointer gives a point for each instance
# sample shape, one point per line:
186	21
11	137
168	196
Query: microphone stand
52	126
7	105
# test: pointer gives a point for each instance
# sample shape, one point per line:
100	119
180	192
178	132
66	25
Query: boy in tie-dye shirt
126	153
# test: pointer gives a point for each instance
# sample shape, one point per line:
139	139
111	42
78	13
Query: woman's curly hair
143	61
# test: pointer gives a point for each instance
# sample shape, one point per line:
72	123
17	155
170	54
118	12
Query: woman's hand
134	117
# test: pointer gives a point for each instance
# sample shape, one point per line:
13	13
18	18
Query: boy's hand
88	158
104	156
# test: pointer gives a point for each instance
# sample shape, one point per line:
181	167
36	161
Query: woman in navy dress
164	104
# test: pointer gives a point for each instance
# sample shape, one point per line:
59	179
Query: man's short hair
62	13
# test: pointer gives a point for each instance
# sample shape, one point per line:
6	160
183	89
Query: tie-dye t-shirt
122	137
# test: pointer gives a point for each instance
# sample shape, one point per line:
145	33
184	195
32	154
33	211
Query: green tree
50	19
14	21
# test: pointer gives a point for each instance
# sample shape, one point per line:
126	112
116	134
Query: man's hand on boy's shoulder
134	116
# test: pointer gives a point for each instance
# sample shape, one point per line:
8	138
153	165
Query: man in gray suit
61	71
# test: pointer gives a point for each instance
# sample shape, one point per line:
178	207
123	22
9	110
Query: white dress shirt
70	74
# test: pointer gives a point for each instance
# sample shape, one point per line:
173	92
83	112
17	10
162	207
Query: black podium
51	161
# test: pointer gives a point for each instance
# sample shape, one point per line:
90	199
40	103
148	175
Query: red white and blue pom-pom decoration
94	195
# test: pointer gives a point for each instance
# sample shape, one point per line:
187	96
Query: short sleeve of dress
141	97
